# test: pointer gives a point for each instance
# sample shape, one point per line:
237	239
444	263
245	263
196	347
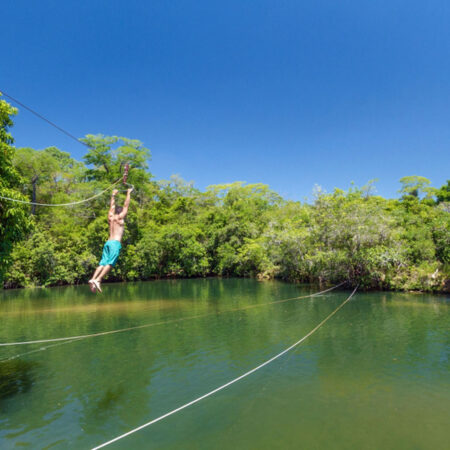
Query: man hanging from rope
111	249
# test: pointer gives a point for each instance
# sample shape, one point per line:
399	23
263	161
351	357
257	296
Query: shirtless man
111	249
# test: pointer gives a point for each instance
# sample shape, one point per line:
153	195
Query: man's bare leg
105	270
98	279
97	272
91	281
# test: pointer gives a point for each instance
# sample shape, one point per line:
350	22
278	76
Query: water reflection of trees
120	379
374	340
110	376
16	377
72	311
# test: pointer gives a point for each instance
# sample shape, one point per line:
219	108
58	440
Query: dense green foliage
174	230
443	194
14	220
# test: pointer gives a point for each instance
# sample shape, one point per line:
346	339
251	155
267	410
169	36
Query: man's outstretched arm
126	204
112	204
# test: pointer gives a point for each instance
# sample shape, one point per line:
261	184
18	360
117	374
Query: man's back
116	217
116	227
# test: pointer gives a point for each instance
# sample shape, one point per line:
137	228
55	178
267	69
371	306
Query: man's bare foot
92	286
97	285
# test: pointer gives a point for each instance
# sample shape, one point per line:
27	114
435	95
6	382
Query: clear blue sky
288	93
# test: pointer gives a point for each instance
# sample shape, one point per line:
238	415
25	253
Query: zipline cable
63	204
45	119
41	349
72	137
220	388
104	333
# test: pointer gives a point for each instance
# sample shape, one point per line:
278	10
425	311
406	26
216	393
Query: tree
109	154
443	194
14	220
34	166
416	186
51	169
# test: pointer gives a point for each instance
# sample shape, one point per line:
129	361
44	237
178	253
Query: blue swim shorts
111	251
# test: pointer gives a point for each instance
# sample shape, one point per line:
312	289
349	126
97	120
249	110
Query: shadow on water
16	377
109	399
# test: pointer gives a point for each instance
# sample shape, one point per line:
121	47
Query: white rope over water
121	330
62	204
220	388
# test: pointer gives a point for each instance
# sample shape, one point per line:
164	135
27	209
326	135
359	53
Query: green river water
374	376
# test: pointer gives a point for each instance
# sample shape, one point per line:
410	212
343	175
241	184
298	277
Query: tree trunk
33	197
